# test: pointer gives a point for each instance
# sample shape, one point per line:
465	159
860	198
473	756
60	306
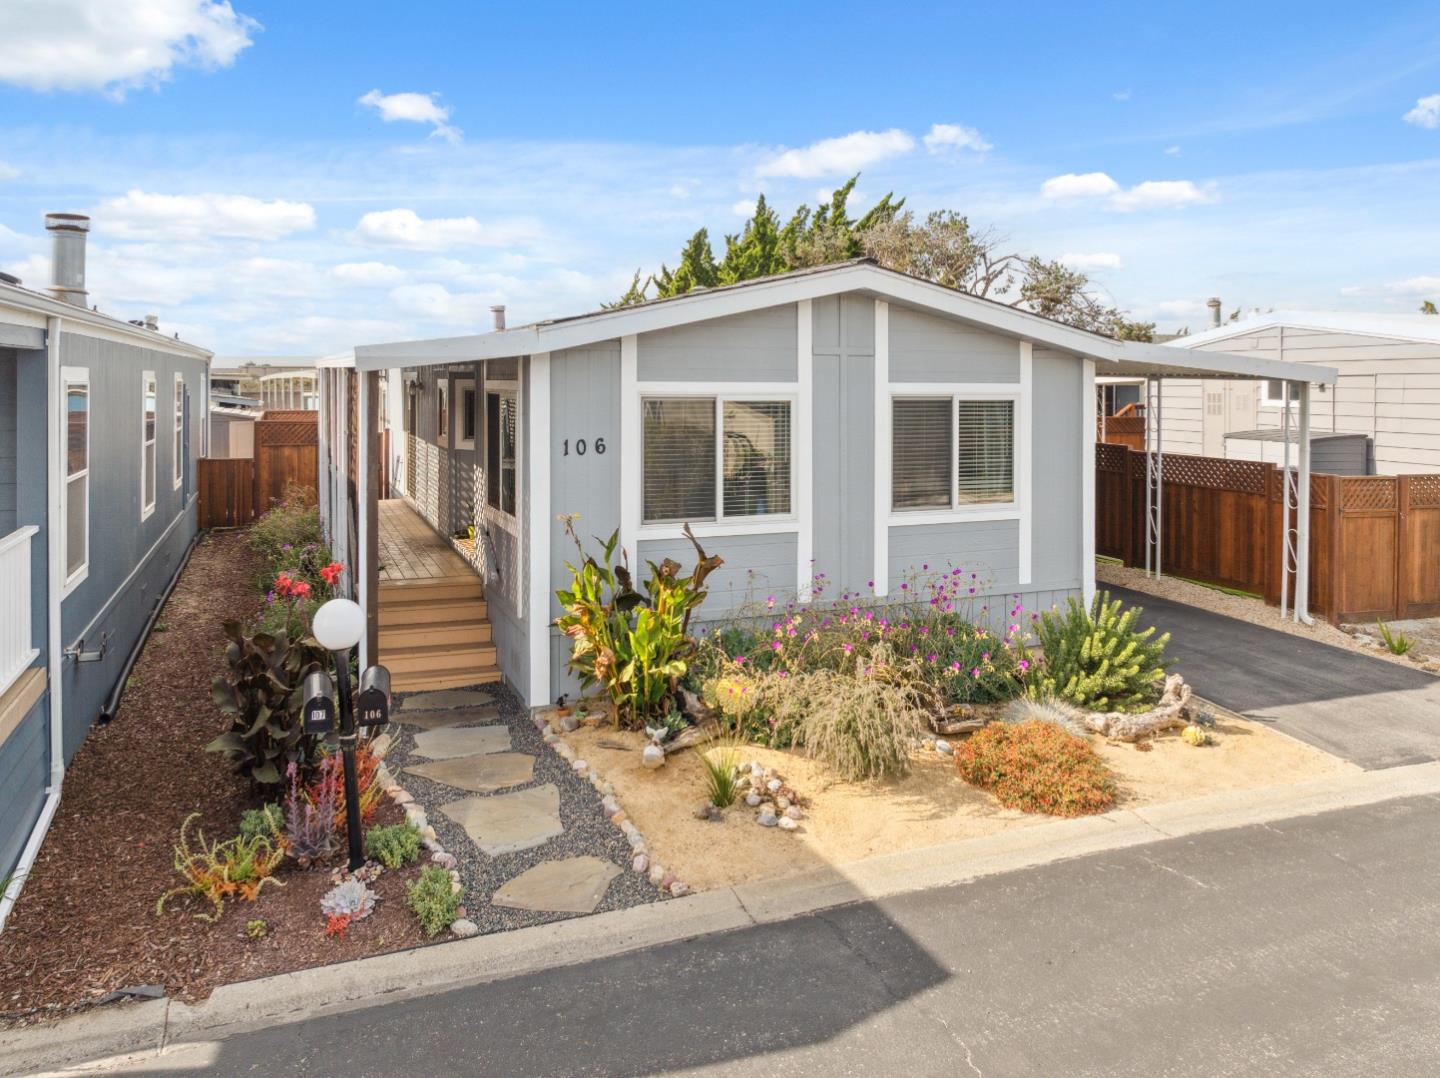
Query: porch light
338	625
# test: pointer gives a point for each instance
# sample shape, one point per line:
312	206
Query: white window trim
444	404
494	514
1267	401
1011	510
460	387
146	378
770	523
177	440
74	376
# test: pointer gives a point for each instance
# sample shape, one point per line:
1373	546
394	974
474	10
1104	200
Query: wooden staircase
435	633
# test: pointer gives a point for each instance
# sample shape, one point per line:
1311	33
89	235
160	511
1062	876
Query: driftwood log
706	728
1172	711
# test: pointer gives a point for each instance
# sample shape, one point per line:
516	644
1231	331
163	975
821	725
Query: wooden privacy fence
1374	540
1127	430
235	492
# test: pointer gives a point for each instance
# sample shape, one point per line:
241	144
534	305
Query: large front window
715	458
952	453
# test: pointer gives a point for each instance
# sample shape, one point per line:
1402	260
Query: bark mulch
85	924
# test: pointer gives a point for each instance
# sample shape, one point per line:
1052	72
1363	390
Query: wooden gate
287	450
227	492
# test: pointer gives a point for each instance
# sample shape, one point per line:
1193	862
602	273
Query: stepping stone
446	698
574	885
479	774
434	720
509	822
448	742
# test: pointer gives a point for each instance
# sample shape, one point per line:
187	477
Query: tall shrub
1096	658
634	644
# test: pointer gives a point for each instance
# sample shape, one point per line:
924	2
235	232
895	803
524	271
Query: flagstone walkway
532	841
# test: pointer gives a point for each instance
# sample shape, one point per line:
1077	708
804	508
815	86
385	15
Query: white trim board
884	449
1025	453
802	473
537	606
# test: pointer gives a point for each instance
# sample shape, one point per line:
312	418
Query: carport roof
1113	358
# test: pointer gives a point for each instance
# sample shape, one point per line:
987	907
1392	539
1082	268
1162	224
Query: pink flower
847	648
1024	665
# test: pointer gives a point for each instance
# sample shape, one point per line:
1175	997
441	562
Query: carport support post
1302	525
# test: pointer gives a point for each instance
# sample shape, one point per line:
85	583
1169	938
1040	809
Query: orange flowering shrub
1037	767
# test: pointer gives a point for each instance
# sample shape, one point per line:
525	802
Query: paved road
1369	711
1311	947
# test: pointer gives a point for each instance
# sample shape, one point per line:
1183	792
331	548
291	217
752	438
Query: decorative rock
460	911
752	799
794	813
702	810
666	881
619	817
782	803
943	747
641	863
464	928
455	887
767	817
433	847
443	859
679	890
569	724
773	785
656	875
381	745
637	842
564	751
653	757
609	805
427	834
785	823
580	767
757	770
402	798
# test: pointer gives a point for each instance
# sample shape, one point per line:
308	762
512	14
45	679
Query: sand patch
849	821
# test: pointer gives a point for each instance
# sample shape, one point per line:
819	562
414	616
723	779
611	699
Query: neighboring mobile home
846	421
97	511
1388	388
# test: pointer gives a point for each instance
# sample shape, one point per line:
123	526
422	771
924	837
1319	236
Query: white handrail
17	650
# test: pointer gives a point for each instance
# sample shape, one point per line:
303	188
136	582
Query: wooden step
434	657
454	679
449	587
470	631
431	611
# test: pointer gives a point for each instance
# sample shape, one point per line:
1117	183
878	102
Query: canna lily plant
636	645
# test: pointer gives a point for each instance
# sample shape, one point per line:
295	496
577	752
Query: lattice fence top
297	414
287	432
1111	458
1369	492
1243	476
1425	491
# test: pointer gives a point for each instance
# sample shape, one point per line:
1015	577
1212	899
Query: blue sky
279	178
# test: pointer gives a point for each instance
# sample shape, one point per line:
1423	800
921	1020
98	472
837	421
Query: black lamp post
337	626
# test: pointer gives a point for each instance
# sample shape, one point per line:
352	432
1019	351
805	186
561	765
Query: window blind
679	459
985	436
757	457
921	453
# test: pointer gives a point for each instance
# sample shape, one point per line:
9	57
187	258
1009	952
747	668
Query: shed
1330	452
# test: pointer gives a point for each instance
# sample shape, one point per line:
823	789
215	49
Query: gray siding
988	548
24	772
131	560
756	567
927	348
844	440
755	347
1056	436
8	362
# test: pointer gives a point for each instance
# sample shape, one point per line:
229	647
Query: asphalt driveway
1371	712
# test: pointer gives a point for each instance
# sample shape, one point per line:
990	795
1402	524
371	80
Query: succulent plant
351	898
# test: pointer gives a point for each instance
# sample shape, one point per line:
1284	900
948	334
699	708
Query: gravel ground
1255	611
587	830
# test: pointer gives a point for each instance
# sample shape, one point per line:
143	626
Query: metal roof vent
9	278
499	312
67	259
1214	304
152	322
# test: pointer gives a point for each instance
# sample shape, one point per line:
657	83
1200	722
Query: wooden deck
434	622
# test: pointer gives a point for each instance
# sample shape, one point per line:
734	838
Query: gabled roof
862	275
1400	327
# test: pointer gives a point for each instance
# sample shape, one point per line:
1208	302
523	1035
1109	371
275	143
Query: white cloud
1415	286
1152	194
1172	151
1179	308
1121	95
406	228
1094	261
679	190
954	136
8	171
141	215
1079	185
833	156
746	207
1426	113
1163	194
367	273
413	108
116	45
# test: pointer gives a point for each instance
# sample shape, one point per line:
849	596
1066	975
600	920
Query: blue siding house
98	453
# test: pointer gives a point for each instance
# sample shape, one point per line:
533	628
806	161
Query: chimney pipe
499	312
1214	304
67	259
152	322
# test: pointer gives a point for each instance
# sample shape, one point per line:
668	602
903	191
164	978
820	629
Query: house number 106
581	448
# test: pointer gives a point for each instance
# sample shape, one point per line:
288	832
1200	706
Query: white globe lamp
338	625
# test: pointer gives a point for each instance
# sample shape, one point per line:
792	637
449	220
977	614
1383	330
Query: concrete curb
161	1026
